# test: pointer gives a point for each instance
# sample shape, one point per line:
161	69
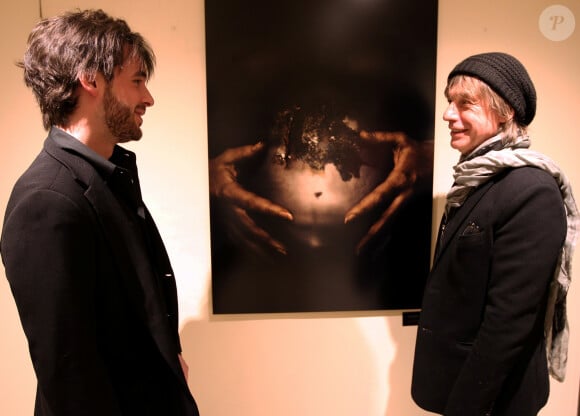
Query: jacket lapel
452	226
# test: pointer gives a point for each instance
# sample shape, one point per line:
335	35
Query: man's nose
450	112
148	100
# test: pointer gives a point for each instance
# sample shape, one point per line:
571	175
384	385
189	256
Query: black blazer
480	347
99	313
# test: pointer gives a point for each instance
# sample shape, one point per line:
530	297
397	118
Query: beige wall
340	364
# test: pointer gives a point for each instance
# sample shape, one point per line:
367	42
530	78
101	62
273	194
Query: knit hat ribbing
507	77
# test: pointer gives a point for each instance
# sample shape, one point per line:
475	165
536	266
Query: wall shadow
262	366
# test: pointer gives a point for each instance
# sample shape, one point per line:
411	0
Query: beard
120	119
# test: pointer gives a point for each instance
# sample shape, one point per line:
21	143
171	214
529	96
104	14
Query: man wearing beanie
493	321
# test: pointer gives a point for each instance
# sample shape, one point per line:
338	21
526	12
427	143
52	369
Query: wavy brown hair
64	48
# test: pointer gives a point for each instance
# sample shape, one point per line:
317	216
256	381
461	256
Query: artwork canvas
318	110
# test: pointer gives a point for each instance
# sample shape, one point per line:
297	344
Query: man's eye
465	104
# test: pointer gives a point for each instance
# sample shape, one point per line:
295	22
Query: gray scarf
491	158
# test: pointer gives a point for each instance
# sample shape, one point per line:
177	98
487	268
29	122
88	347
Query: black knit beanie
507	77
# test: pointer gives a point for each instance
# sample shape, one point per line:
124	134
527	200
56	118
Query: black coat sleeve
48	248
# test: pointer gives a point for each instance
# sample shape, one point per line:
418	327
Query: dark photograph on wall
320	142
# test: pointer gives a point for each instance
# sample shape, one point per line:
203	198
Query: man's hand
413	166
238	201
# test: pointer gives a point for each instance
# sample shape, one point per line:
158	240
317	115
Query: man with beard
87	267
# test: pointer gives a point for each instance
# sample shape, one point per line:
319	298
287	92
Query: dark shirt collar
121	158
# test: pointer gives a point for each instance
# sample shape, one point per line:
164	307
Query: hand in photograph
237	200
413	165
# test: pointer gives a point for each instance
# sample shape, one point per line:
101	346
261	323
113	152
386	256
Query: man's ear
89	84
510	117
